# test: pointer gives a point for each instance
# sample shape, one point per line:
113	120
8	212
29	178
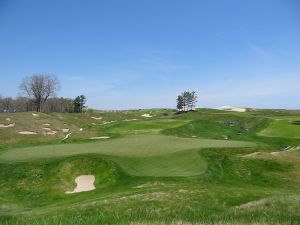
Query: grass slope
283	127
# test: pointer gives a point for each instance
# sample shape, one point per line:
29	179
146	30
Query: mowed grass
128	146
139	155
183	163
282	127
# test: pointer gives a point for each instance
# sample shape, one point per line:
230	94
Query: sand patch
96	118
98	138
27	132
47	128
232	109
67	136
255	204
65	130
8	125
83	183
35	114
127	120
51	132
108	122
8	119
147	115
46	124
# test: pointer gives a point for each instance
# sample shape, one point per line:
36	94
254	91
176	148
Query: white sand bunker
8	125
108	122
129	120
67	136
147	115
98	138
96	118
27	132
84	183
65	130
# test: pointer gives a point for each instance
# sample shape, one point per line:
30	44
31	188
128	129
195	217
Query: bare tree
39	87
187	101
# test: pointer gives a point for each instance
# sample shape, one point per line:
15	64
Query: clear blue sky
143	53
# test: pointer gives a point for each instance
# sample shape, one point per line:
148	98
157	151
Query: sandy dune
84	183
232	109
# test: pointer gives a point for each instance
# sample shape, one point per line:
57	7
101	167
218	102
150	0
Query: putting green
128	146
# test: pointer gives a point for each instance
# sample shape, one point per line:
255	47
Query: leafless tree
39	87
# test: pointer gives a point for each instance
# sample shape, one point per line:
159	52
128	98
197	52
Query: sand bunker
8	125
35	114
97	138
46	124
67	136
109	122
147	115
96	118
51	132
129	119
84	183
65	130
47	128
27	132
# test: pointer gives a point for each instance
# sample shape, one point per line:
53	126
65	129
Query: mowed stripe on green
183	163
128	146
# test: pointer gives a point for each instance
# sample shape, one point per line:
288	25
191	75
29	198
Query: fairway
282	127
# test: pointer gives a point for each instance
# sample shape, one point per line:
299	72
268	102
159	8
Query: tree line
187	101
39	92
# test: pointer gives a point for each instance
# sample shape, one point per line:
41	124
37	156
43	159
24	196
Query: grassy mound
45	182
283	127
